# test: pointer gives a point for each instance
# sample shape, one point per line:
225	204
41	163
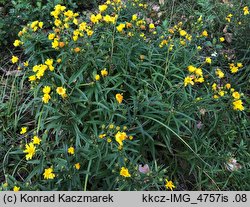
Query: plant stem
87	176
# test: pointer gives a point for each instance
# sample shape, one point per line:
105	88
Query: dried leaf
13	72
203	111
232	165
225	29
159	14
161	2
229	37
229	53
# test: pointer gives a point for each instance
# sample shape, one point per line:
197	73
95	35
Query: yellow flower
119	98
40	74
23	130
82	26
208	60
102	8
101	136
46	89
191	68
124	172
16	189
48	174
183	33
69	14
240	65
120	27
234	69
93	19
90	32
188	80
57	22
104	72
219	73
99	16
182	42
36	140
14	59
17	43
75	38
189	37
198	72
77	166
107	18
151	26
222	39
228	18
204	33
142	35
199	80
97	77
30	150
238	105
33	25
169	184
71	150
134	17
46	98
51	36
245	10
214	87
236	95
55	44
75	21
40	24
32	78
228	86
221	93
61	91
111	126
120	137
59	60
26	63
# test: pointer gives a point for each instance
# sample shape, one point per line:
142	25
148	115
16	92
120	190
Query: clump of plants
123	100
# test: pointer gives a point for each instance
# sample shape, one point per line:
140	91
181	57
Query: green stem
87	176
39	121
